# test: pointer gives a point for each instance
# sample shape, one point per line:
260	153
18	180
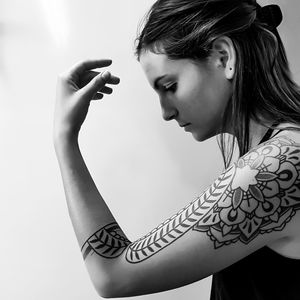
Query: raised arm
87	209
250	205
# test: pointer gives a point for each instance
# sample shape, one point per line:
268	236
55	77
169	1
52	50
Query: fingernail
105	75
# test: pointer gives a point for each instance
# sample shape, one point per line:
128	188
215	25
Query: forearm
88	211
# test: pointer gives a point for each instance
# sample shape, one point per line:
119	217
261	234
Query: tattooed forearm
258	194
109	242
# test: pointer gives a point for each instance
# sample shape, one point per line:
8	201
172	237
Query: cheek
199	96
206	93
189	99
216	94
191	90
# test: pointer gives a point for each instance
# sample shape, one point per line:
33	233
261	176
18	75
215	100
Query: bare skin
252	204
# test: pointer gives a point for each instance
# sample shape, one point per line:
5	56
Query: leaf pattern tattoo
109	242
234	209
258	194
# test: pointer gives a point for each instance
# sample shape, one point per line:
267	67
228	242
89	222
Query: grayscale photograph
150	149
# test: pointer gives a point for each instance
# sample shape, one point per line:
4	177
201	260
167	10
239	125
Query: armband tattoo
109	242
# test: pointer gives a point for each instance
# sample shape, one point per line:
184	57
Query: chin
198	137
201	137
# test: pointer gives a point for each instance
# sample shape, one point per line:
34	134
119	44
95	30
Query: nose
169	112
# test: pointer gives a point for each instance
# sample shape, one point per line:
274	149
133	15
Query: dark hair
262	84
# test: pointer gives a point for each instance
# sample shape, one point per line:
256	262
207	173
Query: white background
145	168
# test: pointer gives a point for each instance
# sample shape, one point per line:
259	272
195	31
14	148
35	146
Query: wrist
65	136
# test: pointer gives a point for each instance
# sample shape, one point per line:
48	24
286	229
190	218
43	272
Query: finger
113	80
86	78
97	96
87	65
95	85
89	75
106	90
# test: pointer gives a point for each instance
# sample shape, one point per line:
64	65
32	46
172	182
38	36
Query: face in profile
189	92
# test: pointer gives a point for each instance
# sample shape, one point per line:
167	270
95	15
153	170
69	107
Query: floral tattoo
258	194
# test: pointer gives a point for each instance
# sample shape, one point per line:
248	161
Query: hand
75	89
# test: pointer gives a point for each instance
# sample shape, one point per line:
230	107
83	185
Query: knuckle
80	63
85	62
64	75
98	80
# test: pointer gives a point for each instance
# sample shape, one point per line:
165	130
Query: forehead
155	65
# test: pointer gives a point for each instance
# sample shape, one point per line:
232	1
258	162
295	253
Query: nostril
168	117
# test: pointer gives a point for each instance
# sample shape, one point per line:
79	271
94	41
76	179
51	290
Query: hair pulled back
262	84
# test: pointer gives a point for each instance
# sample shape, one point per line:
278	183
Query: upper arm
250	205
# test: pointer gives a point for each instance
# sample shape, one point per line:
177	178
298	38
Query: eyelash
170	87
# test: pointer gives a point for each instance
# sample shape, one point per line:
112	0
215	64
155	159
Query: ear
225	55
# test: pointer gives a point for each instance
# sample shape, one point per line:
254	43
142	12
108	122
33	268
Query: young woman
218	66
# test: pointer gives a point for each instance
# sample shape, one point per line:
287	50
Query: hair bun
271	14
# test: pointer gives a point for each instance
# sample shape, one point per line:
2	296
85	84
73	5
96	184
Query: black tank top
262	275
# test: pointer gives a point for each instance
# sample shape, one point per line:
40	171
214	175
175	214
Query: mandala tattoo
258	194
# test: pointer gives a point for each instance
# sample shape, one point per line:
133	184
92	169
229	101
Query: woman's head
193	91
260	88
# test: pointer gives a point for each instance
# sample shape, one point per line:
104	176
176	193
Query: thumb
96	84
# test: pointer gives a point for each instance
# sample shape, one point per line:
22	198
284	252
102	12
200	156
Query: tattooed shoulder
258	194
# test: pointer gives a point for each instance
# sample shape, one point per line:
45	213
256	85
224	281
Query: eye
170	87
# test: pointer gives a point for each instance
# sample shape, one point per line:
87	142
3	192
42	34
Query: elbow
105	289
113	288
102	285
110	293
104	292
112	281
106	281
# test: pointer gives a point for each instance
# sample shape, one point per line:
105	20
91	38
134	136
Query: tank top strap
269	133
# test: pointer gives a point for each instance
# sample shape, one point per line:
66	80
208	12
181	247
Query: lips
183	125
187	127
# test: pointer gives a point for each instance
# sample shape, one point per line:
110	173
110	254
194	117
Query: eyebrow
157	81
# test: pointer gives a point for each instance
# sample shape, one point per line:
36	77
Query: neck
257	132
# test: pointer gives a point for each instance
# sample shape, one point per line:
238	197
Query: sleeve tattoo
258	194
